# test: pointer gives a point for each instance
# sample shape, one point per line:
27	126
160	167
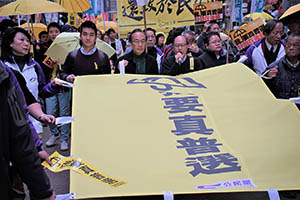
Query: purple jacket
44	90
13	79
249	52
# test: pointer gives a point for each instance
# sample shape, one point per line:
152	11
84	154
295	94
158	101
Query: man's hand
119	52
125	63
56	83
273	72
47	119
205	26
33	39
71	78
45	156
194	49
178	56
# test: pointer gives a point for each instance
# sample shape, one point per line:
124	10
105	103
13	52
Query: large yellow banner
216	130
160	15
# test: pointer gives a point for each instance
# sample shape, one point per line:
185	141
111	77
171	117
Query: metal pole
145	23
19	20
229	28
103	16
118	14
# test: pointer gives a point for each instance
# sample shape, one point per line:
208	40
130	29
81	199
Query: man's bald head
180	45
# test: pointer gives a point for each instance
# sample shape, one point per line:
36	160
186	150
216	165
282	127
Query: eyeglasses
179	45
215	42
139	41
277	32
150	36
289	45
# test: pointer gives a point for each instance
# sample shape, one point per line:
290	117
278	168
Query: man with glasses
138	61
213	26
284	74
267	50
180	62
215	55
193	49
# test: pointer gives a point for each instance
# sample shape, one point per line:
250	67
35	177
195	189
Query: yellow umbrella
75	6
28	7
223	36
67	42
263	15
108	25
37	28
290	11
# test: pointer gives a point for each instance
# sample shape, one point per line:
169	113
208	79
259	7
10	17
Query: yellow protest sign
215	130
61	163
74	19
208	11
247	34
160	15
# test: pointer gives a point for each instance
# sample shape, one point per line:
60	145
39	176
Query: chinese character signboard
200	132
247	34
161	15
208	11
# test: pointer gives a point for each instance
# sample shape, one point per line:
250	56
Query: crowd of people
31	96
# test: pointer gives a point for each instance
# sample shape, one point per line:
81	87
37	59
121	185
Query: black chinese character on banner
97	176
134	13
86	169
182	4
109	181
214	164
165	3
150	6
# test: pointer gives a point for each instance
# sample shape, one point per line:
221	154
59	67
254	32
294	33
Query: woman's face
106	38
21	45
53	33
161	40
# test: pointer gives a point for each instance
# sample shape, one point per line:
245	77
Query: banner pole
118	13
145	22
229	28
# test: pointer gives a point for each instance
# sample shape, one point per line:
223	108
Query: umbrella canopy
37	28
67	42
292	10
75	6
223	36
108	25
263	15
29	7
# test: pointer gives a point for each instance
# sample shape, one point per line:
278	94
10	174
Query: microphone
179	61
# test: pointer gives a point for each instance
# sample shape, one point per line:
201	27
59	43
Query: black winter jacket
151	64
286	84
17	145
170	67
209	59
